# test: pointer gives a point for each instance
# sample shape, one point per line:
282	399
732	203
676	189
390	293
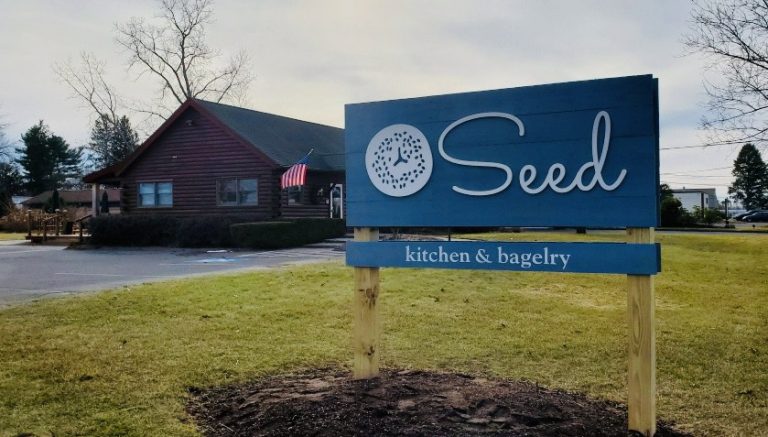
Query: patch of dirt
403	403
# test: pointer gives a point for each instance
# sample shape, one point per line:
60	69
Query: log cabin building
214	159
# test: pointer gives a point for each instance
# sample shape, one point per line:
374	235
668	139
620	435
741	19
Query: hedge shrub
318	229
265	235
204	232
212	231
124	230
276	235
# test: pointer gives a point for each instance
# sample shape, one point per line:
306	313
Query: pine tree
10	184
751	184
665	192
47	160
112	140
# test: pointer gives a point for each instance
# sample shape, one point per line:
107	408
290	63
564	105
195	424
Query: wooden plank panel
641	384
194	156
530	156
615	258
365	331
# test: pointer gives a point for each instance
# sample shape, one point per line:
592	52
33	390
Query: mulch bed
404	403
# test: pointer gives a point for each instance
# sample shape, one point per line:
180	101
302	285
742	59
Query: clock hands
400	158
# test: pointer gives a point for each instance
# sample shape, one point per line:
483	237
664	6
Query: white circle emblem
398	160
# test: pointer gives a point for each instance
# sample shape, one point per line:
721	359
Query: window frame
294	196
238	200
155	194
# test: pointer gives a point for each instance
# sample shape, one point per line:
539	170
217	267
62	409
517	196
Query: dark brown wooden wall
193	153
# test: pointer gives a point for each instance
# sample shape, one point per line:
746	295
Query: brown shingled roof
280	140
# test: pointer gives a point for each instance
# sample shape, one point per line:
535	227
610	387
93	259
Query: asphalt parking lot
31	271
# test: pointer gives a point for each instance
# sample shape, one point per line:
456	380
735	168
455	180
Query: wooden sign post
366	314
579	155
641	374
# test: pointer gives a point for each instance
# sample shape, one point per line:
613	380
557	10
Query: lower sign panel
618	258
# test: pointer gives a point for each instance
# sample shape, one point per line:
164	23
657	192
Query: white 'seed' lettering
506	169
556	172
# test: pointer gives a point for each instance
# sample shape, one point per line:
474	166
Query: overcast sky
311	57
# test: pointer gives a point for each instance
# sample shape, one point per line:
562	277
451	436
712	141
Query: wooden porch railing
41	223
81	224
42	226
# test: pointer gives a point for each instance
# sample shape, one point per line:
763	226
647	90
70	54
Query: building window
321	194
238	192
307	195
155	194
294	195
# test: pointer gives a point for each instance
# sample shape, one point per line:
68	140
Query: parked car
759	216
742	215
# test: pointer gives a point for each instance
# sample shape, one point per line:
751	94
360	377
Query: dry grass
119	362
5	236
15	221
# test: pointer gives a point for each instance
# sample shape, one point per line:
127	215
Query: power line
709	169
702	146
674	178
694	183
695	175
683	177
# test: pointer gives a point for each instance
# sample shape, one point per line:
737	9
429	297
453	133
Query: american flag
296	174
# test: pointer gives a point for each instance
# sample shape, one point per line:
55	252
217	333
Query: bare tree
173	51
88	84
4	152
733	34
5	144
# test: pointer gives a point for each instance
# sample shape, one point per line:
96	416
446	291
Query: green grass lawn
12	236
120	362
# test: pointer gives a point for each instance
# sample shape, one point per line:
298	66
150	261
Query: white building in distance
701	197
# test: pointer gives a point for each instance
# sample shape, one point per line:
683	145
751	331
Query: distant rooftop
71	197
694	190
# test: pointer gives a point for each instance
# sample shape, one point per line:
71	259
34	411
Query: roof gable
282	140
285	140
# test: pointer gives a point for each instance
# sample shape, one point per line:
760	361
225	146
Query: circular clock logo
398	160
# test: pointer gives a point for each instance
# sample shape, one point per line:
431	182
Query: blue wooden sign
632	259
573	154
